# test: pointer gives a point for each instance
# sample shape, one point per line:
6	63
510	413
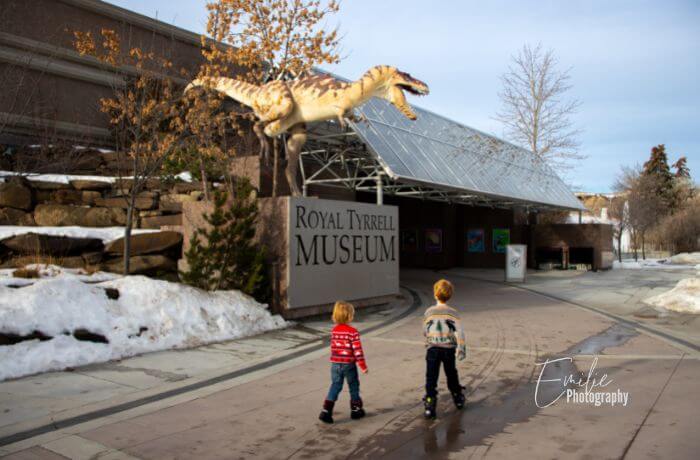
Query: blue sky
635	65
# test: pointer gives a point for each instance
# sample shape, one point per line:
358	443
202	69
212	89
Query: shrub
223	254
680	231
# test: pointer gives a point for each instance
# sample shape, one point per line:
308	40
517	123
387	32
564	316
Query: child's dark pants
433	357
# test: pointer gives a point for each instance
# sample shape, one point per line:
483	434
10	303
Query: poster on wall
409	240
501	239
433	240
475	240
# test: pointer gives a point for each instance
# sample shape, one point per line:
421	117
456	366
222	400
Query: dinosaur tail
240	91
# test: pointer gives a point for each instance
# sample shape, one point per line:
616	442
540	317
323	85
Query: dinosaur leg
296	140
258	128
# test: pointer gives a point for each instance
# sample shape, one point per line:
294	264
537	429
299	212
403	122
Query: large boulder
160	221
36	243
52	215
186	187
142	202
97	185
15	194
90	197
47	185
147	243
77	197
12	216
67	197
173	201
141	264
104	217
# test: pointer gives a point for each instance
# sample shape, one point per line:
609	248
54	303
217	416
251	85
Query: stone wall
92	203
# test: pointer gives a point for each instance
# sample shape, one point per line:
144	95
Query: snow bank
106	234
59	178
50	271
647	264
149	315
66	178
684	298
685	258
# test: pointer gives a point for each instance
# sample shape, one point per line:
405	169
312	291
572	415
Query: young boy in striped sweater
346	351
444	337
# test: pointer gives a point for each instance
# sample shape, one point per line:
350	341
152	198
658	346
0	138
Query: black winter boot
326	414
356	410
430	407
459	399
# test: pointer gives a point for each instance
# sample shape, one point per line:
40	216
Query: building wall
50	92
598	237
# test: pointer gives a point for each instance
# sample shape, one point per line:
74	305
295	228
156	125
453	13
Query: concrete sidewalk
271	413
618	292
40	400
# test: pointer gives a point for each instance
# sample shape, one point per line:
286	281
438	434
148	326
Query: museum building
381	193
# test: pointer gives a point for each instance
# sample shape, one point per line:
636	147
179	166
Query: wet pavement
515	339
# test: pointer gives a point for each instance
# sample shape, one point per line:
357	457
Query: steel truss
335	158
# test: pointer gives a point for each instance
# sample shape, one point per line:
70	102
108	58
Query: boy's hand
461	354
365	371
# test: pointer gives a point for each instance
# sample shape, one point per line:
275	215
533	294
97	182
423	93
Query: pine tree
223	254
681	167
656	170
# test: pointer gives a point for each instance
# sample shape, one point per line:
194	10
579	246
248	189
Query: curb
319	344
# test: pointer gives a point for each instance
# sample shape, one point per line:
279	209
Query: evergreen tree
681	167
658	172
223	254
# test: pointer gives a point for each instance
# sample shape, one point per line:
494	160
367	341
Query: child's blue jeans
340	372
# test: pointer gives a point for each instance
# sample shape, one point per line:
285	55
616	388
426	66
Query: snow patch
7	277
149	315
106	234
184	176
647	264
685	258
58	178
684	297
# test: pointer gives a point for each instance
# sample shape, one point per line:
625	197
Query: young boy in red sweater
346	351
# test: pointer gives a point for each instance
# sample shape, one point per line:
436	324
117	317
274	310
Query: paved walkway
619	292
271	412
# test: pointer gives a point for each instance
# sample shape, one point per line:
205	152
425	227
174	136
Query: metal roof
438	152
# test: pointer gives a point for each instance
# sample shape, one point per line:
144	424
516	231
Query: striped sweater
346	347
443	328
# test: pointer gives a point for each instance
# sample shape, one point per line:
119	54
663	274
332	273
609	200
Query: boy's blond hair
443	290
343	312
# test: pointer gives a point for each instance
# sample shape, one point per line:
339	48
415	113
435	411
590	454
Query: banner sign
475	240
501	239
341	250
433	240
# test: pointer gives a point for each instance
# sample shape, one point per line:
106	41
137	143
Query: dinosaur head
398	82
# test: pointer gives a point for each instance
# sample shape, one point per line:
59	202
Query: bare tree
144	112
535	112
619	213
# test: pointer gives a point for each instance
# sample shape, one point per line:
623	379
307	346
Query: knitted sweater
443	328
346	347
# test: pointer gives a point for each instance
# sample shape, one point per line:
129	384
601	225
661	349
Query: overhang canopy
439	153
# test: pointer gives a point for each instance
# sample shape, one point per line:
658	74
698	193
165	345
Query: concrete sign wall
341	250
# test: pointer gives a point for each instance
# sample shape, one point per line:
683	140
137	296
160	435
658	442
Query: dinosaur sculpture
286	106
